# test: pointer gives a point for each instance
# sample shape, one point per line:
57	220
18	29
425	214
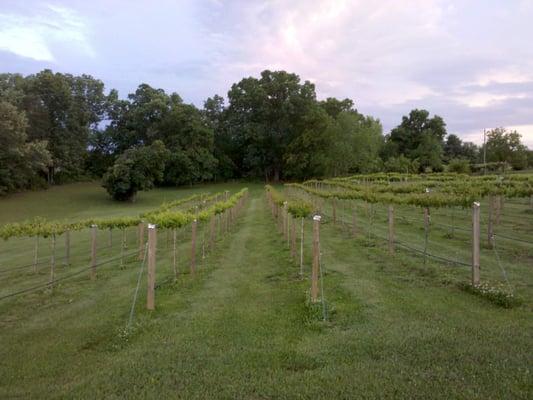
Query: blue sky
470	61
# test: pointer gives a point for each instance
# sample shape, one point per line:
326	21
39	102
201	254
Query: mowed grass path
242	328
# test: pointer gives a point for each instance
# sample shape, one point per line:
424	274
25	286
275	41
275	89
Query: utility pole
484	151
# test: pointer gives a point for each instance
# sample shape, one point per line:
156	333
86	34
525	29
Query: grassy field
242	326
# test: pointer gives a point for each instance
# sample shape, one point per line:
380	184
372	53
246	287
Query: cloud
36	36
469	62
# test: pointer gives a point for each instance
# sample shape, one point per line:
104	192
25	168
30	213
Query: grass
242	327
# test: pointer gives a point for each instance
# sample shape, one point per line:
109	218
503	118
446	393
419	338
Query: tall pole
484	151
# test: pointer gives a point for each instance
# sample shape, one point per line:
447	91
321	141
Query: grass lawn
242	326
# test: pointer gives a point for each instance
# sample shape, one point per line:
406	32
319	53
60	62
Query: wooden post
490	223
193	246
293	238
391	229
152	245
94	232
53	259
141	241
475	243
316	258
302	247
110	237
36	254
174	254
67	248
498	209
212	233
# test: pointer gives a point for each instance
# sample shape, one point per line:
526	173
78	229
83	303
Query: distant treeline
57	128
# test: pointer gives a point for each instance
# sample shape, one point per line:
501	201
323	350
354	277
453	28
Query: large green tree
150	114
138	168
419	137
265	116
506	146
22	162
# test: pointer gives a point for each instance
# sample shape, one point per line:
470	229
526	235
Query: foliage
162	216
505	146
496	294
459	166
420	137
401	164
455	148
138	168
22	163
442	190
298	208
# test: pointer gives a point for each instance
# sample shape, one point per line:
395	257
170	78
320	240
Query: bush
459	166
401	164
496	294
138	168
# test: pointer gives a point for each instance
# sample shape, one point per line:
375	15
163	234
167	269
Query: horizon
389	58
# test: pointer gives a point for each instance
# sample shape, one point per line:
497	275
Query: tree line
57	128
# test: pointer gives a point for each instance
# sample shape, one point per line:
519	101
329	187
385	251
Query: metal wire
137	288
49	283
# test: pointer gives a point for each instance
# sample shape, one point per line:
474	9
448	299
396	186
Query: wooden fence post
498	209
67	247
391	229
475	244
141	241
212	233
110	237
293	238
302	247
152	245
94	232
316	258
193	247
490	222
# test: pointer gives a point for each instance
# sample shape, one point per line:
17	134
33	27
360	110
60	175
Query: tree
264	116
455	148
335	106
21	162
306	155
150	115
420	137
138	168
506	146
225	148
358	145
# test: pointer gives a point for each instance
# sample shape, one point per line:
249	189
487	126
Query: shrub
496	294
459	166
138	168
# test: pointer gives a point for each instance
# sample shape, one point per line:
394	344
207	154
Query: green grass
242	327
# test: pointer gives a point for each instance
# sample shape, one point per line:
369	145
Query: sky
469	61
